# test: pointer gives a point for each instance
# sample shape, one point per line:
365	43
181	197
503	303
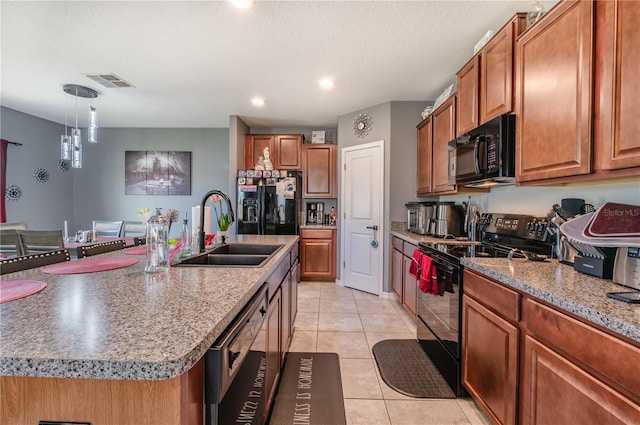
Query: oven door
440	315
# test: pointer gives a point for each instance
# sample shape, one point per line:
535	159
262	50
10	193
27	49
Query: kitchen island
137	338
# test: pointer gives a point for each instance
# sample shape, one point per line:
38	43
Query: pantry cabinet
285	150
318	254
319	170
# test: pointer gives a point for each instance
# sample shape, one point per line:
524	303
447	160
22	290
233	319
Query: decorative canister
157	243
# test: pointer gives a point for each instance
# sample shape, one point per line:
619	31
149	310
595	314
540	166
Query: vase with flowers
222	219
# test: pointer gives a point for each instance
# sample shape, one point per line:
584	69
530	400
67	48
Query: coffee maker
312	214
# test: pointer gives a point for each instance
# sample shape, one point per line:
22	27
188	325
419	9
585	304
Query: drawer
493	295
396	242
615	359
409	248
316	233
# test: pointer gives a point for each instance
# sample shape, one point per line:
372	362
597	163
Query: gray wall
96	191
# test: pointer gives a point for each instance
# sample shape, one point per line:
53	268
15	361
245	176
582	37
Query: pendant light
65	140
92	136
76	133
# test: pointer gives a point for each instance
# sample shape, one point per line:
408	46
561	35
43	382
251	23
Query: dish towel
435	287
414	268
426	281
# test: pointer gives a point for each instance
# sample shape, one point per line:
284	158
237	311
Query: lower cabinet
318	254
525	362
273	351
402	283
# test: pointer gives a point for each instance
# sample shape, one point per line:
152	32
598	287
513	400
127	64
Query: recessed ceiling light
257	101
326	83
242	4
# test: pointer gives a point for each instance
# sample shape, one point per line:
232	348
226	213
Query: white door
362	200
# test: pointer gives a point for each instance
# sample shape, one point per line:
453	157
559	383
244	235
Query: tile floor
332	318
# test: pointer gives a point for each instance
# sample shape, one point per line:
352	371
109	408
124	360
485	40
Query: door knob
374	227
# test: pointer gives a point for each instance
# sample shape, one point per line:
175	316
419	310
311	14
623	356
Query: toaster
626	269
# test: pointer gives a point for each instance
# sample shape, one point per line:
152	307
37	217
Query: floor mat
310	391
406	368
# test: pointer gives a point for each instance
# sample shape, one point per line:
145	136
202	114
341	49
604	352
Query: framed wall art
157	173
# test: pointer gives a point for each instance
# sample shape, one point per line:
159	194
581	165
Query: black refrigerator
268	202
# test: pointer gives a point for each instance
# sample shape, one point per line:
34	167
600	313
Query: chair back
139	240
14	225
9	244
100	248
108	228
10	265
132	229
35	241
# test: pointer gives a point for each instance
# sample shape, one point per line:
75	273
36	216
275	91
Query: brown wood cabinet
554	106
617	80
424	159
319	170
273	360
285	150
444	131
490	347
402	283
318	254
468	96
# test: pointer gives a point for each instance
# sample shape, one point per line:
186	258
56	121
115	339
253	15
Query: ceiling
193	64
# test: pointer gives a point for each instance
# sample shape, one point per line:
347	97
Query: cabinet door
295	279
273	354
254	148
617	127
319	171
397	272
468	96
316	257
557	391
410	288
285	320
424	164
288	151
554	94
496	74
490	361
444	130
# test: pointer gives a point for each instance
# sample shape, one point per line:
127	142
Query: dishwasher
235	367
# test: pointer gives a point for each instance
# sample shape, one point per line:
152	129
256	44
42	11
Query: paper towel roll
195	219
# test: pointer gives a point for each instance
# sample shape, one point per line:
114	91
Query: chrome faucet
224	196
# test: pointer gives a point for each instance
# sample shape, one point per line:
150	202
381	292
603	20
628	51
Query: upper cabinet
485	83
284	150
425	143
319	170
617	82
577	71
444	131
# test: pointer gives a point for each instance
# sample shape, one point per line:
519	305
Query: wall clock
362	125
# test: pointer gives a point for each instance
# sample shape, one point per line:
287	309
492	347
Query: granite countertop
124	323
557	284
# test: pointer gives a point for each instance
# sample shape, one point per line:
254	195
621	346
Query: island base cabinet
556	391
28	400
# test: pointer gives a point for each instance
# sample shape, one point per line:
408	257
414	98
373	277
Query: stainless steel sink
233	255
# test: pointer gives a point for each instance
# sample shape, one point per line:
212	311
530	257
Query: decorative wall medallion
64	164
40	175
362	125
13	193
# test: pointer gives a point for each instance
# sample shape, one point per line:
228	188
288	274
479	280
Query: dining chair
14	225
139	240
100	248
10	265
9	244
35	241
108	228
131	229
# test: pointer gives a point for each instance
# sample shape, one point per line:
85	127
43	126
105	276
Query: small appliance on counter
420	217
448	220
626	268
315	213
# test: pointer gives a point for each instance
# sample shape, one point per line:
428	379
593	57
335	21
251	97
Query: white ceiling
193	64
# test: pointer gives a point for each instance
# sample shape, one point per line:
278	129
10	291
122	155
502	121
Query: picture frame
318	136
165	173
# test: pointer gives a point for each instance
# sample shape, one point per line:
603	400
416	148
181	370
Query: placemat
14	289
90	265
136	250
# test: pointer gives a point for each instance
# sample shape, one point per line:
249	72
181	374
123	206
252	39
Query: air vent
109	80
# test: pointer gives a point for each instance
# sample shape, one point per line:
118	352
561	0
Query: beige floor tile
304	341
306	321
336	291
339	322
383	323
473	412
366	412
359	379
426	412
364	295
309	305
348	345
375	306
306	290
338	305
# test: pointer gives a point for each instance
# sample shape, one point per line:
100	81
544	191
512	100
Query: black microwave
485	155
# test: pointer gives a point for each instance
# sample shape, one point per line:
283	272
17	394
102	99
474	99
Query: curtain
3	179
